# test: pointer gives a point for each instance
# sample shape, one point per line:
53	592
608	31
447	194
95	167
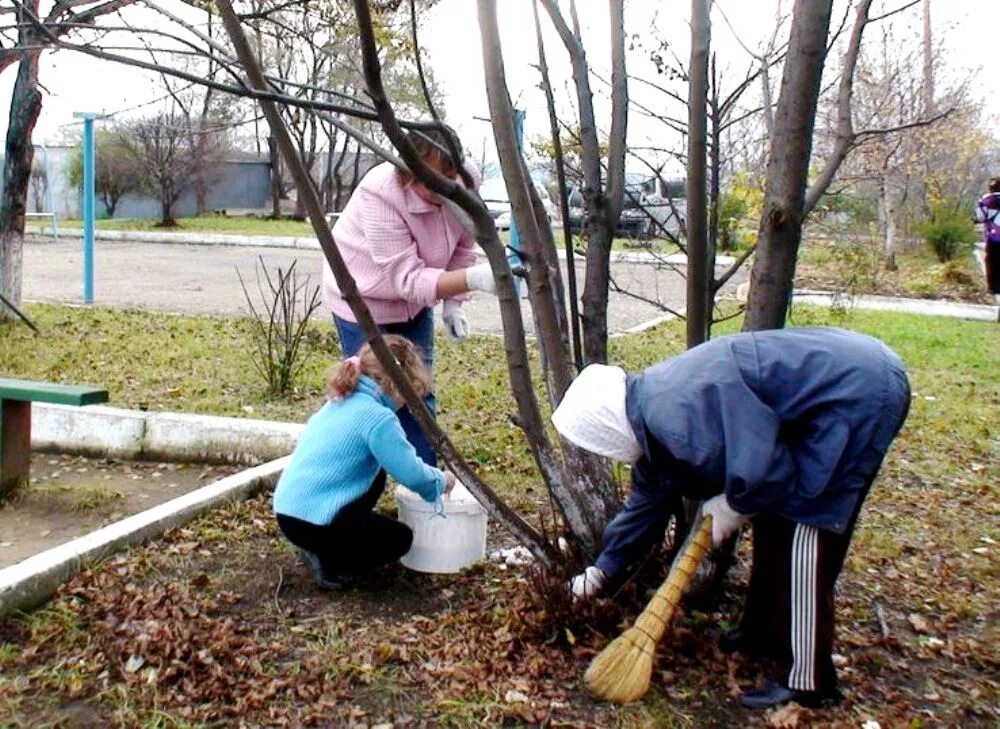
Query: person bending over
324	501
407	250
785	429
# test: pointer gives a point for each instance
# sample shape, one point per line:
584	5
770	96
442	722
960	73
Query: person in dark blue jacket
785	429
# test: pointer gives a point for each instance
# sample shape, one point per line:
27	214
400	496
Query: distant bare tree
172	152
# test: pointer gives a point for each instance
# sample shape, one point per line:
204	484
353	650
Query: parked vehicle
494	193
633	223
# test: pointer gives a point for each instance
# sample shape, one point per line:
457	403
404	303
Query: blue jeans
420	331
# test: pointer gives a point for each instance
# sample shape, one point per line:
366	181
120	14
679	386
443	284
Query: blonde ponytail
342	378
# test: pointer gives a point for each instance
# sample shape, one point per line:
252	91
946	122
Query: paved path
203	279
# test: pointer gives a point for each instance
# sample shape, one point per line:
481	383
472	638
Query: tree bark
698	270
780	231
275	160
496	507
602	203
26	105
582	497
845	137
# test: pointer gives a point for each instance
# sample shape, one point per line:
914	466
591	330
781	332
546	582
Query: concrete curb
927	307
32	581
311	243
97	430
194	239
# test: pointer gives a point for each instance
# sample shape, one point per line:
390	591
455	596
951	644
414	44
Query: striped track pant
790	605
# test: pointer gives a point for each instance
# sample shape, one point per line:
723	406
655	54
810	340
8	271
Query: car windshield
494	189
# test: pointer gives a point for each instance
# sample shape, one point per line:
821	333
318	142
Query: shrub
948	231
280	324
733	209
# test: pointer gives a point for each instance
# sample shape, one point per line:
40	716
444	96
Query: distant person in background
325	499
407	250
987	212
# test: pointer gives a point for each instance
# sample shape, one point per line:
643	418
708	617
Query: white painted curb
31	582
927	307
96	430
195	239
100	431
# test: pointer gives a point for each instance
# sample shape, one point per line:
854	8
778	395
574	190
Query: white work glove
725	520
456	323
587	584
480	278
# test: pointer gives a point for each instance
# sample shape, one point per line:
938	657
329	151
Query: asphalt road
205	279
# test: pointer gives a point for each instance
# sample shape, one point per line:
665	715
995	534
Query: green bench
16	397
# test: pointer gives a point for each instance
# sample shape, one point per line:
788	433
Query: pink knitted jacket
396	246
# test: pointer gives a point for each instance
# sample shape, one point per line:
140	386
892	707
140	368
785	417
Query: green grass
79	497
250	225
915	550
201	364
232	225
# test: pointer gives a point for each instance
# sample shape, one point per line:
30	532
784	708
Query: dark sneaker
324	582
773	694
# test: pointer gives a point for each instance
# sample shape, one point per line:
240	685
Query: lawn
260	226
217	624
221	224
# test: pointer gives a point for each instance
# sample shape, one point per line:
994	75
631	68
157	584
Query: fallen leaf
919	623
787	717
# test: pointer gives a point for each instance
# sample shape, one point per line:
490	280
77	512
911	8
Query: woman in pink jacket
406	251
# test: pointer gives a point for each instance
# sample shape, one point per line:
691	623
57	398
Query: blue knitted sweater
340	452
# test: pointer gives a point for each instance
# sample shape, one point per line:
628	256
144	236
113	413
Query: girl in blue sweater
325	499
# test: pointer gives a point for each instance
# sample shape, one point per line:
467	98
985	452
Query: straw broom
621	672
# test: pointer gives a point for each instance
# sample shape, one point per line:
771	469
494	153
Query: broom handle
660	611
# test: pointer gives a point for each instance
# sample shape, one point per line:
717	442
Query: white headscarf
592	414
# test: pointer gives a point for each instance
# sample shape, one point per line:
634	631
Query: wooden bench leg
15	445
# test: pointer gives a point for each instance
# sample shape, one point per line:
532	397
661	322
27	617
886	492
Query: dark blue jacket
792	421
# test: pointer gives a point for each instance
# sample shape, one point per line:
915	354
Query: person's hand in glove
456	324
587	584
725	520
480	278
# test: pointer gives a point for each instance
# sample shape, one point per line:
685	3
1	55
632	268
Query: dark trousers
420	331
993	267
789	608
357	541
789	612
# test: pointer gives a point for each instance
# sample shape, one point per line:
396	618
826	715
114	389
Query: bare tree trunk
574	314
698	273
496	507
583	497
888	207
275	160
26	105
603	203
845	137
338	175
928	48
780	231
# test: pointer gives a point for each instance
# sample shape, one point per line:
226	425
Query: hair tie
355	360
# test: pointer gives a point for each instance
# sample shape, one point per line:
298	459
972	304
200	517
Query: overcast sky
78	83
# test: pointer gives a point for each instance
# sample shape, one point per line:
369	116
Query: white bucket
446	544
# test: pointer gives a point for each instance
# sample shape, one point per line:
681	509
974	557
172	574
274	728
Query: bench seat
16	397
